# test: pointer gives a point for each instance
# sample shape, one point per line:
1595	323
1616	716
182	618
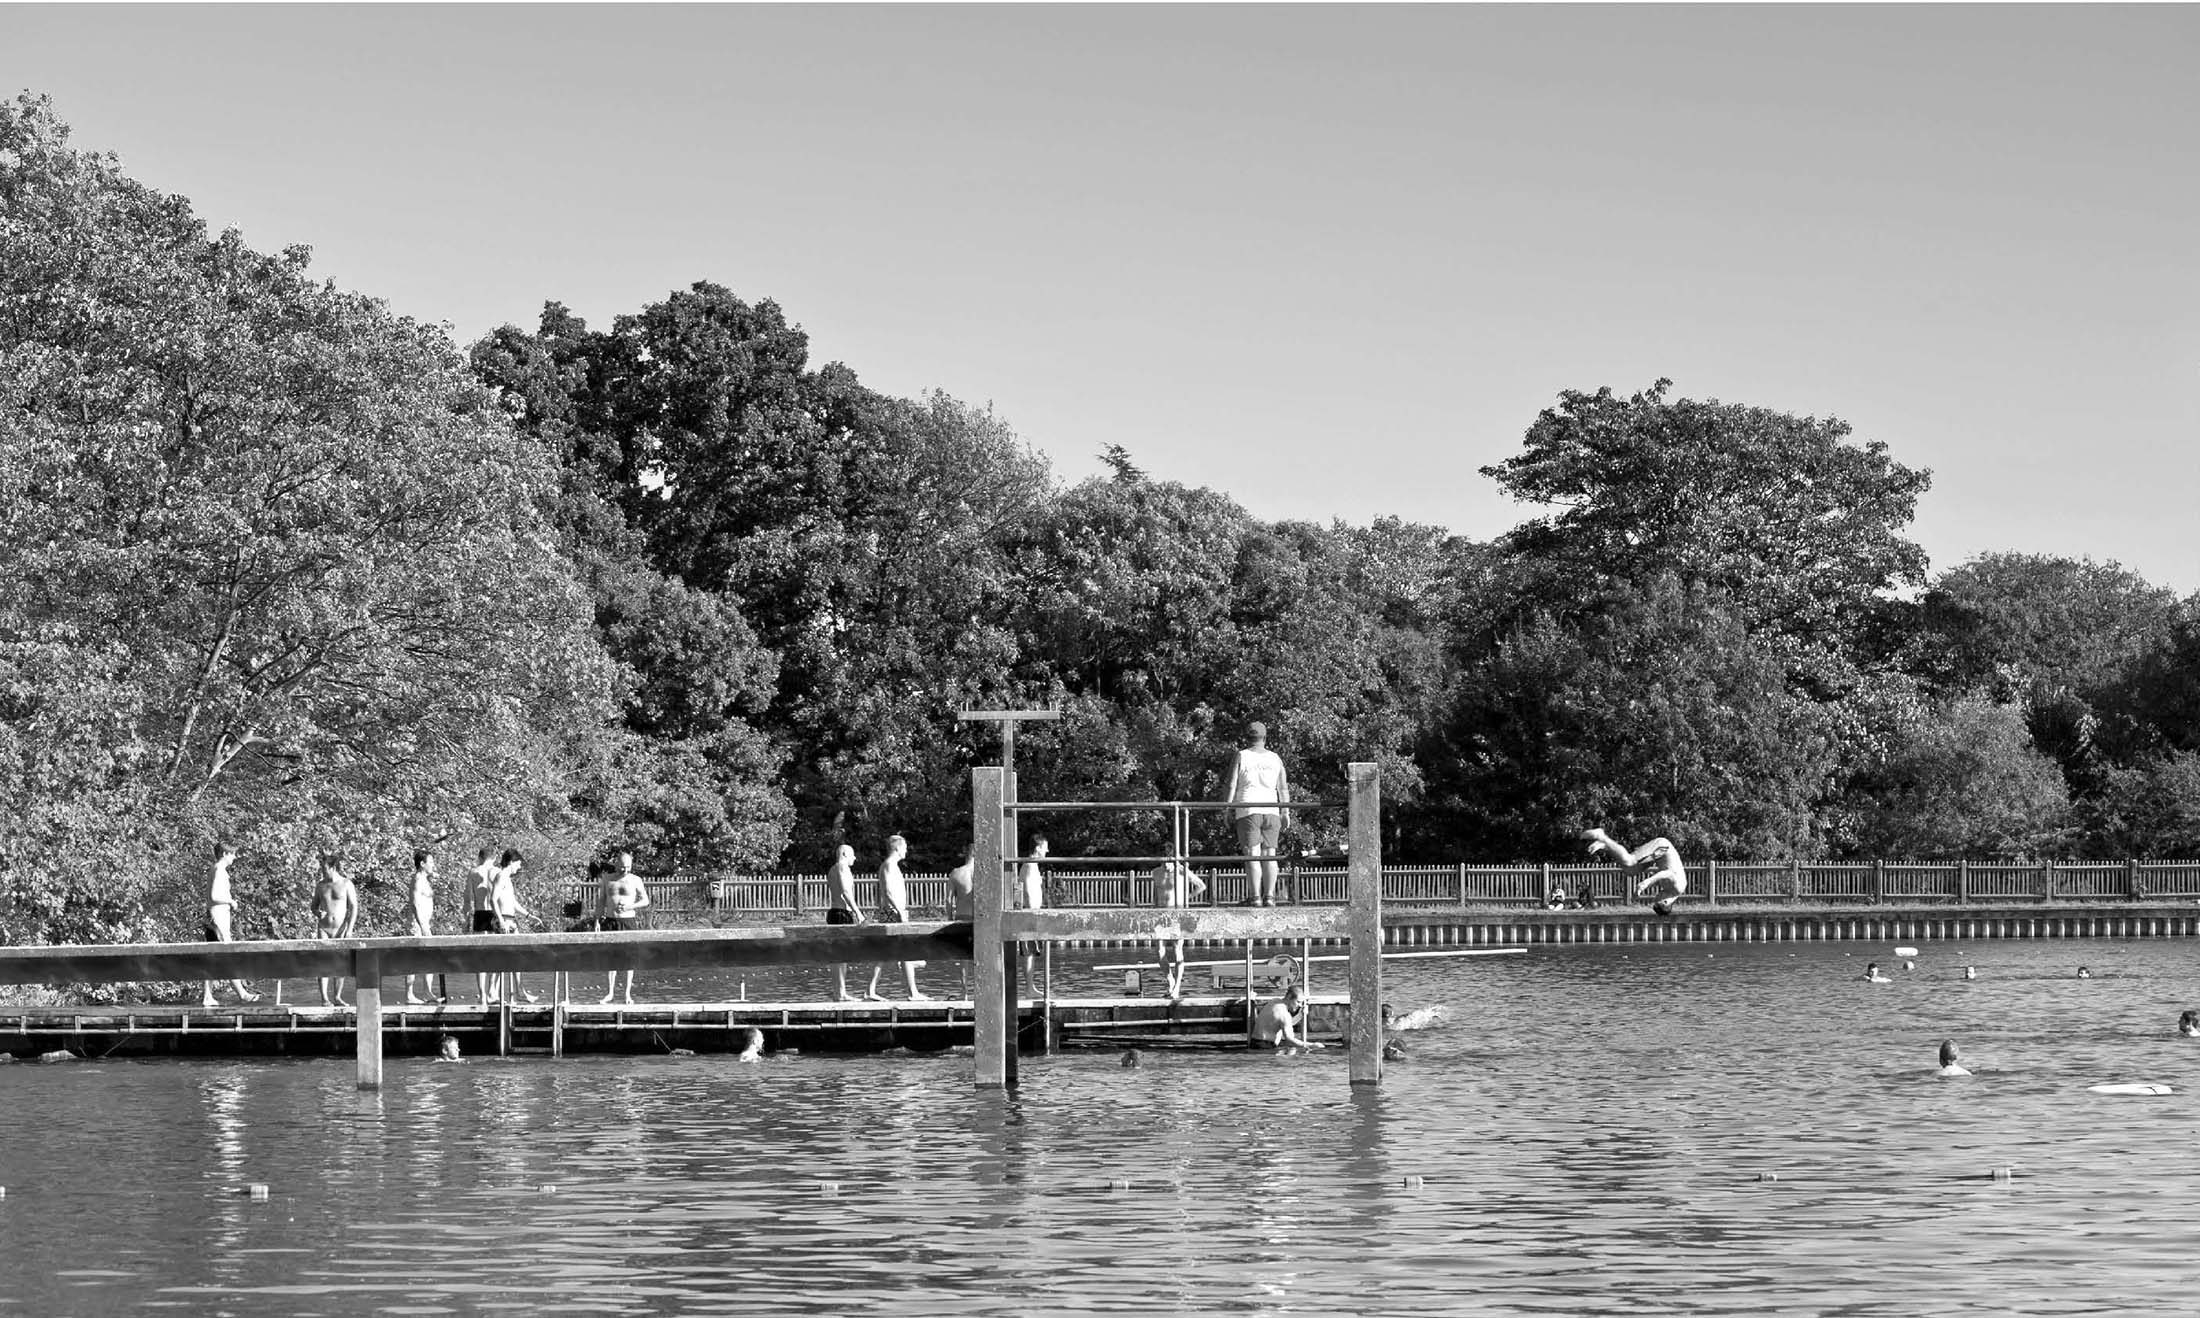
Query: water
1589	1135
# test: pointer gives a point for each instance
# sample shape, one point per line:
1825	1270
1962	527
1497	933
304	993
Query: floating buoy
2143	1090
2002	1174
828	1187
256	1190
1768	1176
1905	951
1119	1185
1413	1183
546	1189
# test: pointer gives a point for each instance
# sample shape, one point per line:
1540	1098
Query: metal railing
1322	883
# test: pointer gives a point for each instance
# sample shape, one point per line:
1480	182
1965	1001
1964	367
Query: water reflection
1589	1135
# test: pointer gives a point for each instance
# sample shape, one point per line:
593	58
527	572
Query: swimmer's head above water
2189	1024
1948	1053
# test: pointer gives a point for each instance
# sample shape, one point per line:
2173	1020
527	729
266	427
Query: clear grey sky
1329	260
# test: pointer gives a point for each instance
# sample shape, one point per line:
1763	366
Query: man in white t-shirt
1258	782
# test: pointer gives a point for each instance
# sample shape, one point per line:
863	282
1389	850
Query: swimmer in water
446	1049
2083	973
2189	1024
1131	1060
1970	972
1950	1060
1277	1024
1420	1018
752	1050
1659	862
1872	975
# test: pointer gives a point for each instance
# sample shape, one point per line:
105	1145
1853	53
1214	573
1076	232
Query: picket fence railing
1907	883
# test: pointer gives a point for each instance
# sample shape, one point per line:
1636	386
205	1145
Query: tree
1962	781
290	523
1796	528
1660	714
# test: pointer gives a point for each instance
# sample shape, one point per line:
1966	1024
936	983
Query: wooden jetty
573	1029
997	1012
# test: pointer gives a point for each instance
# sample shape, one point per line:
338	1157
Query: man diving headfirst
1659	862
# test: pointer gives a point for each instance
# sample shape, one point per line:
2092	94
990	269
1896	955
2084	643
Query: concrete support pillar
366	969
994	1029
1364	900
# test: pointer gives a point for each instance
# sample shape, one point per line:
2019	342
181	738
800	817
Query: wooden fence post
1711	883
1879	883
1963	881
2047	872
1795	881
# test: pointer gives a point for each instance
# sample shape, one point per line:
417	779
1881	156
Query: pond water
1595	1130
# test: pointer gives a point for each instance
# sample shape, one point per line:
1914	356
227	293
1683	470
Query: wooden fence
1884	883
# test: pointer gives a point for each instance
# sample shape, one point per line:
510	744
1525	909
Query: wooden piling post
1364	898
994	1025
366	992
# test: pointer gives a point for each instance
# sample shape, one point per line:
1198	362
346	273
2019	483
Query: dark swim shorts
838	915
486	922
213	935
610	922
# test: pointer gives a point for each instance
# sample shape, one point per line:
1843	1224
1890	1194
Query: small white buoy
2141	1090
1768	1176
1414	1182
256	1190
1119	1185
546	1189
1905	951
2003	1174
828	1187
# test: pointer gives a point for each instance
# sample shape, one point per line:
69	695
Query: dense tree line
288	568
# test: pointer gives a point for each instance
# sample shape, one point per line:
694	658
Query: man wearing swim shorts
840	908
893	895
483	892
423	917
335	915
1659	861
218	911
1259	783
619	905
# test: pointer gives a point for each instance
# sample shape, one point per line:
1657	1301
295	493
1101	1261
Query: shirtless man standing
1258	781
961	905
423	917
1174	886
335	914
1658	861
504	903
619	905
483	895
893	895
218	905
840	908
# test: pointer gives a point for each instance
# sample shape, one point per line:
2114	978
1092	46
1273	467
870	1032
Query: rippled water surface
1596	1131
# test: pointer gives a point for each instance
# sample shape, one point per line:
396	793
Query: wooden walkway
267	1030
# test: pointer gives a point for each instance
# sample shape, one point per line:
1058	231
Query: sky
1330	260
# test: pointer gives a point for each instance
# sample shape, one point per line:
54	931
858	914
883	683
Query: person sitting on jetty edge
1951	1062
1659	861
1276	1024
